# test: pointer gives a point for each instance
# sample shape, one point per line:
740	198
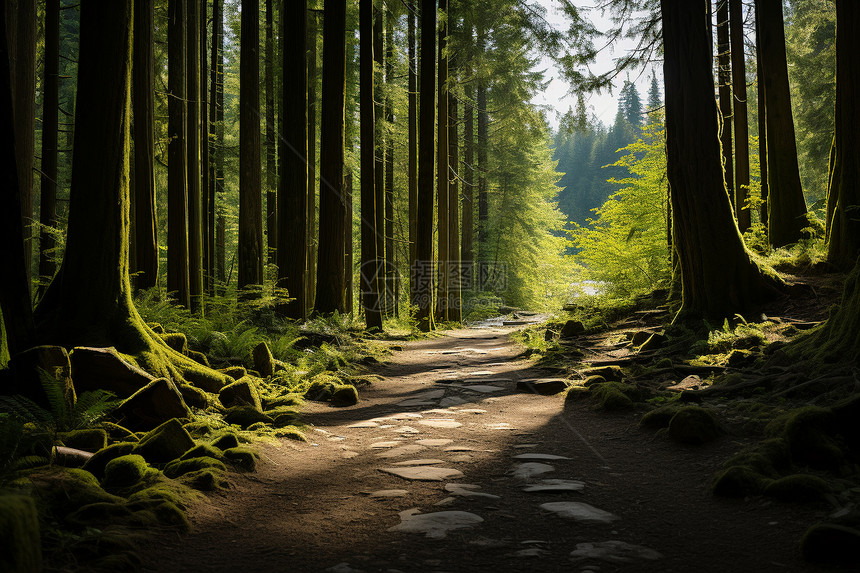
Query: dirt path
316	506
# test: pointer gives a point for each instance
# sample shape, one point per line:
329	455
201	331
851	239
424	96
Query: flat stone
429	395
691	382
397	417
383	445
481	373
555	486
416	402
467	490
402	451
435	525
366	424
500	426
483	388
460	449
424	473
536	456
579	511
422	462
613	551
526	446
407	430
440	423
441	412
529	470
472	411
451	401
434	443
492	380
383	493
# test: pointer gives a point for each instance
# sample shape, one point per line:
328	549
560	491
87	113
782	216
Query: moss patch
202	450
798	487
344	395
245	416
20	545
659	417
124	471
91	440
177	468
226	441
207	479
693	425
739	481
612	396
165	443
321	387
96	464
244	458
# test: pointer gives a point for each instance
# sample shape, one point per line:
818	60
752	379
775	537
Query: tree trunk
724	79
455	270
207	203
412	140
221	223
442	172
271	167
741	121
483	133
467	252
718	277
350	70
216	174
195	216
331	255
310	288
251	250
292	199
762	138
844	192
390	300
15	287
786	205
370	169
422	270
177	182
50	127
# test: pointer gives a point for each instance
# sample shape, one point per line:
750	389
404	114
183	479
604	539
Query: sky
605	105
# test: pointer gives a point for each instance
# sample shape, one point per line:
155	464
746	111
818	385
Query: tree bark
50	132
218	211
442	173
195	215
762	137
483	142
718	277
207	203
390	298
786	204
422	269
271	161
844	192
379	168
177	182
741	121
292	198
412	139
724	79
216	175
455	270
331	255
467	252
251	249
313	30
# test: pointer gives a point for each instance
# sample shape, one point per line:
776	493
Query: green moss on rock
96	464
242	392
99	515
165	443
89	440
812	437
245	416
321	387
831	544
194	397
344	395
244	458
739	481
659	417
62	490
226	441
611	396
20	544
201	450
207	479
693	425
798	487
177	468
124	471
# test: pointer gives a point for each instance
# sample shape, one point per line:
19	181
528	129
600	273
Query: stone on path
386	493
435	525
402	451
536	456
407	430
460	449
365	424
383	445
434	442
545	387
416	402
422	462
343	568
481	373
613	551
532	552
555	486
483	388
397	417
424	473
500	426
451	401
529	470
579	511
473	411
440	423
467	490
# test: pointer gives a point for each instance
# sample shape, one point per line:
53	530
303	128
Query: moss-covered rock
89	440
739	481
693	425
170	514
242	392
571	328
290	399
226	441
244	416
235	372
264	362
207	479
64	490
124	471
150	406
177	468
321	387
659	417
344	395
593	380
811	434
201	450
176	340
611	373
99	515
832	544
194	397
798	487
612	396
96	464
165	443
244	458
20	544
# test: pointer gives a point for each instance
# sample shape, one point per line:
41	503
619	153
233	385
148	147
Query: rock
89	440
421	462
96	464
544	387
226	442
537	456
244	458
529	470
739	481
264	362
20	544
579	511
571	328
157	401
449	401
613	551
203	450
386	493
435	525
194	397
483	388
176	340
178	468
555	486
691	382
468	490
66	489
424	473
798	488
165	443
693	425
612	396
205	480
344	395
434	442
440	423
832	544
365	424
611	373
124	471
105	369
321	387
244	416
242	392
53	361
593	380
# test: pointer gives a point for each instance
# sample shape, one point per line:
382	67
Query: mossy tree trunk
205	197
50	132
271	155
718	277
724	85
379	147
192	130
412	138
739	112
422	269
453	189
844	192
310	287
215	68
369	273
390	253
331	255
442	166
786	205
89	301
292	201
483	142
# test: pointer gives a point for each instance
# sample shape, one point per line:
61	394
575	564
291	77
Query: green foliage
624	248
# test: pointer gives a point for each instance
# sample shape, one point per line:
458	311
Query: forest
337	259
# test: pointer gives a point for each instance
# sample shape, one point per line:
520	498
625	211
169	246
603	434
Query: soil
309	506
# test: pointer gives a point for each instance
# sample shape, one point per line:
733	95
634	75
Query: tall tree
313	30
412	137
844	193
453	187
271	163
146	238
786	205
467	252
422	269
332	216
717	275
442	167
177	181
724	86
390	290
205	198
630	104
217	223
50	132
292	200
483	136
739	113
379	147
370	169
250	259
195	215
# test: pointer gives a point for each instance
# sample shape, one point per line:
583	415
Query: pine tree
630	105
